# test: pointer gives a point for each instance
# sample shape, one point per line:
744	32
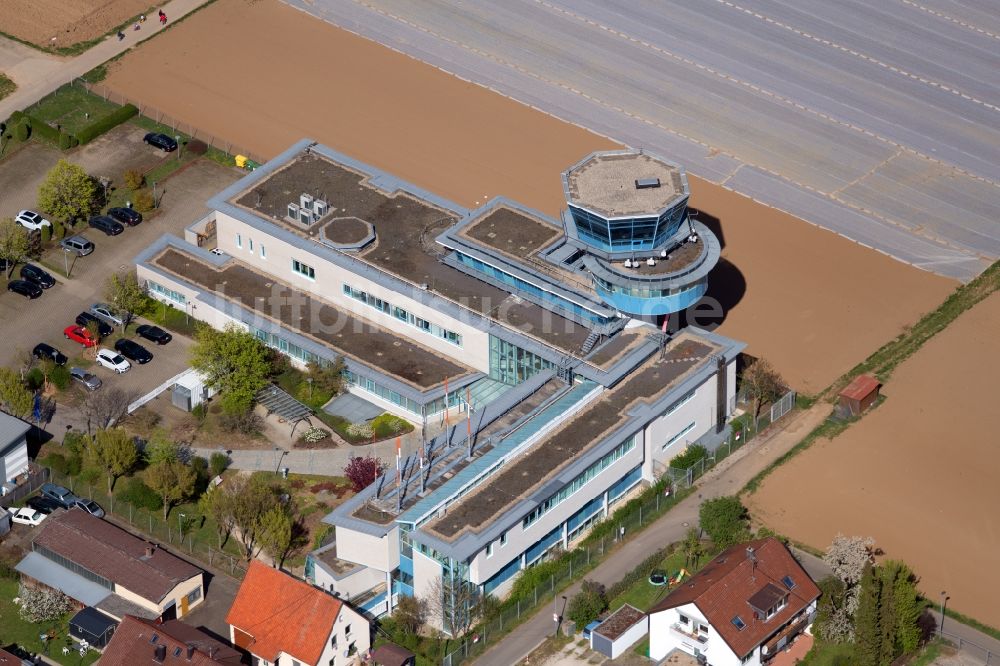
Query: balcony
687	633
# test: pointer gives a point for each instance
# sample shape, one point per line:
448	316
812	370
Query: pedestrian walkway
38	76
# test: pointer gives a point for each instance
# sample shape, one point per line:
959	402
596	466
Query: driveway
220	592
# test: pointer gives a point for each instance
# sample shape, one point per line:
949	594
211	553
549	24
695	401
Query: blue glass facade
650	301
503	575
624	484
627	234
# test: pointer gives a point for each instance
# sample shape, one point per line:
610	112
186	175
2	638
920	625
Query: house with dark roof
743	608
170	643
283	621
100	565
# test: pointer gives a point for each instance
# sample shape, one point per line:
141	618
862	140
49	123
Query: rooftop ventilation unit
319	208
663	254
646	183
293	211
305	216
628	263
651	262
305	201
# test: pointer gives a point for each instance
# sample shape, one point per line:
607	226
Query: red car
79	334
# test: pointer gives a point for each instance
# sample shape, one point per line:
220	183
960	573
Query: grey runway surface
877	120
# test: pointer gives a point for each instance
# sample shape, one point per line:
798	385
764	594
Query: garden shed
858	396
620	631
92	626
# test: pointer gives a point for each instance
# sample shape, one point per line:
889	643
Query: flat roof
406	226
347	334
605	183
619	622
590	425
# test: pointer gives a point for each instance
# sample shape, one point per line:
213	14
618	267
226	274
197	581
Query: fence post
571	568
640	515
536	595
519	608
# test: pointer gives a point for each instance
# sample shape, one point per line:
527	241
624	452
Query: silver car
78	245
86	379
107	313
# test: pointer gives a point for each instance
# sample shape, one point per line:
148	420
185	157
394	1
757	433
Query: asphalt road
878	121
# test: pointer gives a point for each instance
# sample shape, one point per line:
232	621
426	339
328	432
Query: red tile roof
860	387
721	591
133	643
112	553
390	654
7	659
283	614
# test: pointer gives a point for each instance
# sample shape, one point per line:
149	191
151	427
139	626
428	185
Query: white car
26	515
107	313
31	220
112	360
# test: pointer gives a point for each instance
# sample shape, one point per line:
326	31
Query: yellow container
241	161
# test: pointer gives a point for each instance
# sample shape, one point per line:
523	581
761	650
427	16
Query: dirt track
66	22
811	301
919	473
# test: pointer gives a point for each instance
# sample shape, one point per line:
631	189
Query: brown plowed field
920	473
67	21
263	75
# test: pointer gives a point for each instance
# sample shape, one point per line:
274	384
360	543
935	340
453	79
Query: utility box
190	391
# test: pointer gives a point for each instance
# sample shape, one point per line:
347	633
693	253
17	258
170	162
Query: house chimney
190	651
159	653
149	550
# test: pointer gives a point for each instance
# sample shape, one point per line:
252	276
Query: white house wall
15	461
380	553
351	585
663	638
328	285
348	620
625	642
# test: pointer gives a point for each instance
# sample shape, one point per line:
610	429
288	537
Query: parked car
43	350
107	313
24	288
78	245
129	216
90	506
26	516
106	224
43	504
103	327
154	334
112	360
87	380
79	334
31	220
162	141
39	276
62	496
133	350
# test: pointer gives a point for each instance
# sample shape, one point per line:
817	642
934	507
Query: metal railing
974	650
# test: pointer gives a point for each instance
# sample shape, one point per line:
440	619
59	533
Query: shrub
363	471
74	464
197	147
145	420
138	494
387	425
75	442
56	461
46	234
105	123
59	376
588	604
200	411
22	131
90	475
245	423
315	435
133	179
67	141
360	431
143	201
691	457
43	130
35	379
7	570
217	463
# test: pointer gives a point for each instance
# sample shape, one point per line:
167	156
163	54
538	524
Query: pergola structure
276	401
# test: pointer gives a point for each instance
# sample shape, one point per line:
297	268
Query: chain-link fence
179	530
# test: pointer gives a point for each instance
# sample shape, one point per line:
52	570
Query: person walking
121	35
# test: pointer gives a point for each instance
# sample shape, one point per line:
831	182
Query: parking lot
25	322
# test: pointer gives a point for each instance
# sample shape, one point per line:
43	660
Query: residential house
13	450
283	621
743	607
171	643
101	565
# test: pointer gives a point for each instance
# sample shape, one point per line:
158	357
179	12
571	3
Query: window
304	270
683	619
739	623
239	240
250	244
503	539
489	549
748	657
703	628
402	315
177	652
676	438
194	595
347	630
263	252
155	638
788	582
333	641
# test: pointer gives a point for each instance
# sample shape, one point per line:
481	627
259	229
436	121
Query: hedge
102	125
43	130
641	572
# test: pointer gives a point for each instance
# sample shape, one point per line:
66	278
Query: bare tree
106	407
452	601
762	384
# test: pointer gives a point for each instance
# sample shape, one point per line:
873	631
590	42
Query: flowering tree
363	471
42	605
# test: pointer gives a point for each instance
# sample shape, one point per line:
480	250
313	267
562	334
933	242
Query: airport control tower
628	214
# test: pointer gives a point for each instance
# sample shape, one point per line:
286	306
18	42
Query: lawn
829	654
26	634
71	107
6	85
643	594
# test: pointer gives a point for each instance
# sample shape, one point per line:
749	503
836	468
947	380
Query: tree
276	533
14	243
908	607
451	601
42	604
362	471
588	603
762	384
251	498
123	290
67	192
410	614
94	330
217	504
847	557
867	638
692	548
217	463
327	377
725	520
172	480
15	398
160	448
113	450
106	407
833	623
234	361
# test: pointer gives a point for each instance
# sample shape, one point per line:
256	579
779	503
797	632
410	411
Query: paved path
37	74
725	479
878	122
